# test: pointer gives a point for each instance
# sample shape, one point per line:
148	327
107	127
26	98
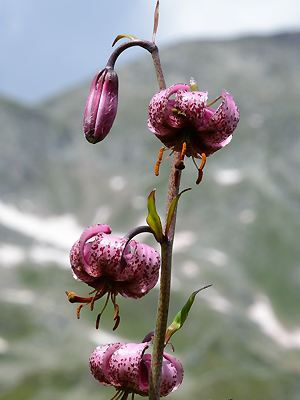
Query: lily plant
188	125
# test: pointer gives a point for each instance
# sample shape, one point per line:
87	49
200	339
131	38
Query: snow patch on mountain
59	231
228	177
261	312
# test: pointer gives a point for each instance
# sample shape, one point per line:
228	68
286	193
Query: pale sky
48	45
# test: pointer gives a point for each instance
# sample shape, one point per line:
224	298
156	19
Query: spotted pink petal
105	257
171	377
99	362
178	367
192	104
144	373
161	116
145	262
87	234
77	265
223	122
124	365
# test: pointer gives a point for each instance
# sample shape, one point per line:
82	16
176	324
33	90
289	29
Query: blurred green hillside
238	230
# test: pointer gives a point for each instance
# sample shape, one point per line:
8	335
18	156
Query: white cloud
226	18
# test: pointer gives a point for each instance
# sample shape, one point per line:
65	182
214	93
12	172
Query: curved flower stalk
112	265
127	368
187	124
102	103
101	107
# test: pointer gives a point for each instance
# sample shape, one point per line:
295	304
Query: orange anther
203	161
78	310
159	160
200	169
183	151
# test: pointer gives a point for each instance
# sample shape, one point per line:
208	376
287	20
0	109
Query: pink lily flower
112	265
187	124
127	368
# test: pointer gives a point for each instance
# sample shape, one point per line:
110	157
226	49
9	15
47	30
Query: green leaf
181	316
153	219
172	209
122	36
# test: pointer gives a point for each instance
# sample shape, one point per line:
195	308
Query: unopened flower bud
101	106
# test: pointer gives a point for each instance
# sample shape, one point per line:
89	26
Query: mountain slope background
238	230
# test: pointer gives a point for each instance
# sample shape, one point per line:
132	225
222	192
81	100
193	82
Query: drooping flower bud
126	366
101	106
112	265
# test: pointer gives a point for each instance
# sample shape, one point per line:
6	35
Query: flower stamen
214	101
125	396
101	312
116	311
178	112
159	160
201	167
73	298
180	164
78	310
183	151
117	395
172	151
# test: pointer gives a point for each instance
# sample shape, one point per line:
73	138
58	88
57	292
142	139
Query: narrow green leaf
181	316
122	36
153	219
172	209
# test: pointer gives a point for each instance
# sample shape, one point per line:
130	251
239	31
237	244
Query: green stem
166	266
149	46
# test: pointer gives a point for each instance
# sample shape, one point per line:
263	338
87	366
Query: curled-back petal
145	261
192	104
222	122
88	234
77	265
105	257
161	116
124	364
171	377
178	376
99	362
